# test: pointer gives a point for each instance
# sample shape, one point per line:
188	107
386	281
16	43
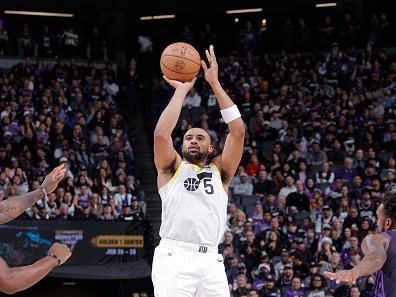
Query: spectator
269	289
241	289
64	212
347	173
46	43
3	39
317	287
316	157
108	213
253	166
298	199
262	186
69	42
288	188
295	290
245	187
285	280
274	246
121	197
193	99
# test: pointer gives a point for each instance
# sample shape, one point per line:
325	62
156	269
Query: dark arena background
80	83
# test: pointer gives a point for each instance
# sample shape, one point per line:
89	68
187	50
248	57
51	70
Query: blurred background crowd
318	101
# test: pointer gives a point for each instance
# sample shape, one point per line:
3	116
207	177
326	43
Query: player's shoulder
377	240
216	164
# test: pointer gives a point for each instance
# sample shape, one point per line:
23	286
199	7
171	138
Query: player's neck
201	164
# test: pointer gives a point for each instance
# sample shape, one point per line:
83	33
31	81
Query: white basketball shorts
183	269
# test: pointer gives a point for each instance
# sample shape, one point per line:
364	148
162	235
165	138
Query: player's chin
194	157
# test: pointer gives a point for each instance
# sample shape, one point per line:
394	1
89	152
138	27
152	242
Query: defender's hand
60	250
52	180
341	276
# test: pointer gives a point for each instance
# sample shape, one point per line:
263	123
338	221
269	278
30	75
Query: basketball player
194	196
379	251
16	279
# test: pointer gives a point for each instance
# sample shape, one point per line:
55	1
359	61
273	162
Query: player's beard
194	158
379	229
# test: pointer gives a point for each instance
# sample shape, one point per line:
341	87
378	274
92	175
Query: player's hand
52	180
187	86
346	276
211	72
60	250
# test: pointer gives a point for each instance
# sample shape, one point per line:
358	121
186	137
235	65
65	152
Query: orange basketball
180	61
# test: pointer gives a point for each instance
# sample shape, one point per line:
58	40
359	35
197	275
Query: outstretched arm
164	153
16	279
229	160
374	247
14	206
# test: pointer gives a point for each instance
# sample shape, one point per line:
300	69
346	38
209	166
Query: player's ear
388	224
210	148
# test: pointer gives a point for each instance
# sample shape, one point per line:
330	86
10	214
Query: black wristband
55	257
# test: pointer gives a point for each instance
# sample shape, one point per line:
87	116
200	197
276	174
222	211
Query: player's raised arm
229	160
165	156
374	249
14	206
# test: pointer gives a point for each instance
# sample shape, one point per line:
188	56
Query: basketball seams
182	58
184	44
178	72
179	57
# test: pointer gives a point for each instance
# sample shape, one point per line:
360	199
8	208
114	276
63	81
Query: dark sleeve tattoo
14	206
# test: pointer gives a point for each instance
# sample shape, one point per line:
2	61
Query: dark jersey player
379	250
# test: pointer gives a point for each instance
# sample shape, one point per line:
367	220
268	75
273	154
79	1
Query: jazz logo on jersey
191	184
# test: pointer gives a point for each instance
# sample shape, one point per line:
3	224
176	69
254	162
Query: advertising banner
94	244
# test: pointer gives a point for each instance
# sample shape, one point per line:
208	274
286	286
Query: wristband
231	113
55	257
44	191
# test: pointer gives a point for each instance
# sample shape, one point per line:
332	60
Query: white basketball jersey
194	205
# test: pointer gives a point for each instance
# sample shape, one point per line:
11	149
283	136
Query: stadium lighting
328	4
39	13
165	16
157	17
248	10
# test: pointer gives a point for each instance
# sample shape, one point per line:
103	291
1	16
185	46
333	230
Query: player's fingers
208	57
330	275
212	53
192	82
204	67
167	79
56	169
61	174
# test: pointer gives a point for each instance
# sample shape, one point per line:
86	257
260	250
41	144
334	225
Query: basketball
180	61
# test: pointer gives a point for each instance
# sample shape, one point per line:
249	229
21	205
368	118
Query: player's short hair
210	138
390	202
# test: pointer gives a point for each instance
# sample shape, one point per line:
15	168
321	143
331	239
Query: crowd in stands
31	41
307	34
319	152
65	113
261	33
